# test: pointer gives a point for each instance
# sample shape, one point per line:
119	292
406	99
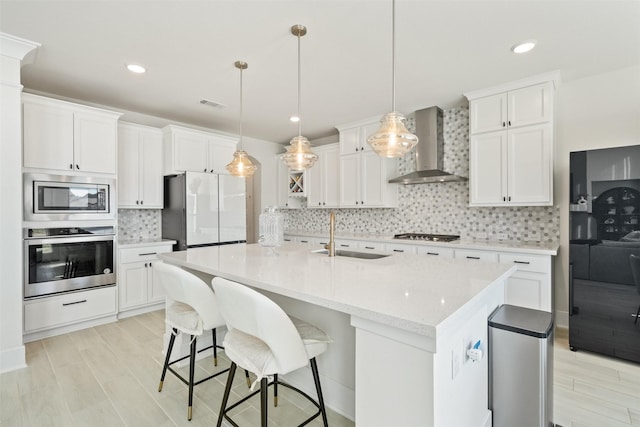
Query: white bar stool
261	338
193	310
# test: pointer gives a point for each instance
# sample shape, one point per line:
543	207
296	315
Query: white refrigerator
203	209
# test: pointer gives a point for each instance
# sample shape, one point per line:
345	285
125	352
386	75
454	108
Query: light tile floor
108	376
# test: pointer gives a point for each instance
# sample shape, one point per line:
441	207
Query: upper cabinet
140	182
63	136
196	151
364	175
323	179
511	143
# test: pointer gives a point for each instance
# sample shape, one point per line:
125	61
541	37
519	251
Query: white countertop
535	248
410	292
138	243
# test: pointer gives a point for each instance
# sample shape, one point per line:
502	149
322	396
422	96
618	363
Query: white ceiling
444	49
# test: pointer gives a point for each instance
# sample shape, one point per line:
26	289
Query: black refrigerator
604	223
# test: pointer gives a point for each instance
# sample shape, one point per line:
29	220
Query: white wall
12	51
594	112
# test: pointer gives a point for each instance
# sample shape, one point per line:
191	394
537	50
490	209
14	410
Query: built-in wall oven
68	259
68	198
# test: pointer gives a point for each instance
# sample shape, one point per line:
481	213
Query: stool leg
166	359
263	402
316	379
192	368
227	390
215	347
275	389
246	374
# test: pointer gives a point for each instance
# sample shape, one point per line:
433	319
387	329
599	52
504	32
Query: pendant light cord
393	55
299	85
241	110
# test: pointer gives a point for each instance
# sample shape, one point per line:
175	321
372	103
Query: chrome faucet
331	246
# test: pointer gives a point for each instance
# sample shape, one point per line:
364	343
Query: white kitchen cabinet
511	144
196	151
435	251
512	168
63	313
364	175
400	248
323	179
140	181
137	290
520	107
530	286
63	136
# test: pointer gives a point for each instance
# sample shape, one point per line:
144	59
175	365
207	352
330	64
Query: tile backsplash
439	208
139	224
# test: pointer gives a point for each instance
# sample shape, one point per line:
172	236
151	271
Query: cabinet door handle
304	241
473	257
522	262
148	253
504	199
357	202
137	202
142	202
77	167
432	253
369	247
398	250
204	170
70	165
504	124
509	122
344	246
509	198
150	264
64	304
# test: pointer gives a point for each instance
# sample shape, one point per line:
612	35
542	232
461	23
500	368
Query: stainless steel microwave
67	198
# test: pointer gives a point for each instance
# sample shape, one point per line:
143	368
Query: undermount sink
352	254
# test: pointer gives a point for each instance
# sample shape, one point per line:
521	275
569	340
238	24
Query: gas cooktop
427	237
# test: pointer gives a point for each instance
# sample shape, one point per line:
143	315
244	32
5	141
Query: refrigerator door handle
572	309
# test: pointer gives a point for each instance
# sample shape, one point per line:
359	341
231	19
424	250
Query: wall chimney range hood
429	154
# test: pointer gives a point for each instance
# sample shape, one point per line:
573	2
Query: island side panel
430	382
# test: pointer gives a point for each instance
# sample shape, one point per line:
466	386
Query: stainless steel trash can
521	367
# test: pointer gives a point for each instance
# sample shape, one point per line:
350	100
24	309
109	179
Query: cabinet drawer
375	246
65	309
435	251
527	262
476	255
346	244
147	253
400	249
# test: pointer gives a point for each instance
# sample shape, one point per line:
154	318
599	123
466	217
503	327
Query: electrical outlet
502	236
533	238
481	235
467	343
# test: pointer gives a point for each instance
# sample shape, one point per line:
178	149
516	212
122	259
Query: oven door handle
71	239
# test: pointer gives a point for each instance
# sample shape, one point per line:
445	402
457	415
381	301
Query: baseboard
141	310
34	336
12	359
562	319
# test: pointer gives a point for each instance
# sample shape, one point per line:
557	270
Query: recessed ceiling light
294	119
134	68
524	46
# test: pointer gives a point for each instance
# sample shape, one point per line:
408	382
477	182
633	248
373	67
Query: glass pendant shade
392	139
299	155
241	165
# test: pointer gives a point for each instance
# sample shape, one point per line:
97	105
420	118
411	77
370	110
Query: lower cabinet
48	316
530	286
137	290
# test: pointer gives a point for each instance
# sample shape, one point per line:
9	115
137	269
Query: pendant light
299	155
392	138
241	165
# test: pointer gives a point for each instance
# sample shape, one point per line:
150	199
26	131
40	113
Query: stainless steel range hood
429	154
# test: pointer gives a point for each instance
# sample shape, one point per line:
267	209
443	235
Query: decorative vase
271	224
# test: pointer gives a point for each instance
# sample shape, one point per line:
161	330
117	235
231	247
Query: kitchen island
411	318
